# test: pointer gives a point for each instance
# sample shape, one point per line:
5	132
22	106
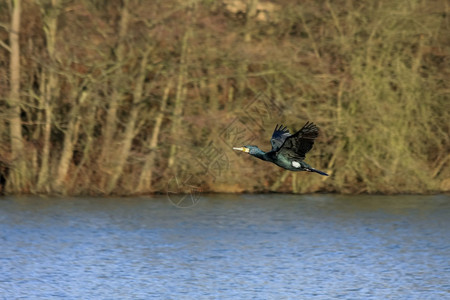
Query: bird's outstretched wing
298	144
279	136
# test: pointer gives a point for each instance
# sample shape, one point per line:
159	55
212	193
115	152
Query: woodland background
133	97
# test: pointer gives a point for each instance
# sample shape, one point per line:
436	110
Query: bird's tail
320	172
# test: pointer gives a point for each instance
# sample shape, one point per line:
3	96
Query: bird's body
288	151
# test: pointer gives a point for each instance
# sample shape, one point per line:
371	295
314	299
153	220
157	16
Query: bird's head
248	149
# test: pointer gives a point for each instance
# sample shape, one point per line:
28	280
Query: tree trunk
88	125
111	118
70	137
18	179
179	100
49	93
44	170
250	22
124	150
145	181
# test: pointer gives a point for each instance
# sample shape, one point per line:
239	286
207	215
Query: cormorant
288	151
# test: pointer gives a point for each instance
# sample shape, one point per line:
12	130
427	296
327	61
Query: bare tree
49	90
111	115
145	180
125	147
179	98
18	177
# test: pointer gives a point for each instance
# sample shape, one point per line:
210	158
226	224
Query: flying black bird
288	151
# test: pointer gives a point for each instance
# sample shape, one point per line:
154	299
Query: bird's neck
260	154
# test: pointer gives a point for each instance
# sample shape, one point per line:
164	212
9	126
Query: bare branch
4	45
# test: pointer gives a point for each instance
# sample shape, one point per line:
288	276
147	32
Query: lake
226	247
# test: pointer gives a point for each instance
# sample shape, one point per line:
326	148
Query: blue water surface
226	247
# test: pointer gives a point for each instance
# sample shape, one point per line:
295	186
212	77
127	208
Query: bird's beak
244	149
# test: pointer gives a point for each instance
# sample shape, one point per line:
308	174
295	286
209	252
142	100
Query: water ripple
226	247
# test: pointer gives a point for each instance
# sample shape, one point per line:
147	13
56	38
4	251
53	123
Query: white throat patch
296	164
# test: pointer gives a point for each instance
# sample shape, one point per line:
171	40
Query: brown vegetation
132	97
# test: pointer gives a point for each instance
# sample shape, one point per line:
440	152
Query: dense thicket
129	97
